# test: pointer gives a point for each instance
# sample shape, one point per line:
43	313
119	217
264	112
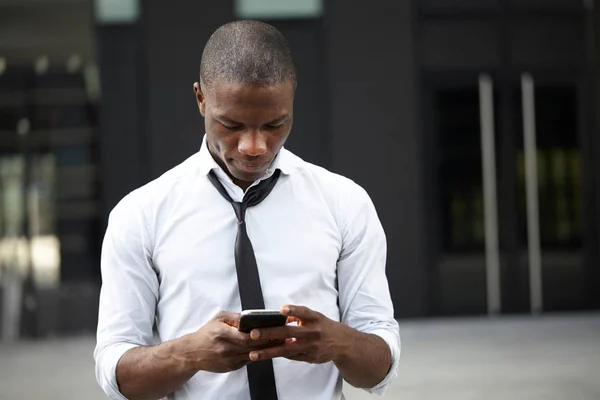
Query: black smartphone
251	319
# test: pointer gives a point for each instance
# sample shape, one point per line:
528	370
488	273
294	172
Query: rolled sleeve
364	295
129	293
393	342
106	368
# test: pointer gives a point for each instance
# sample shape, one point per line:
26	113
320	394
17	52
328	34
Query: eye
231	127
273	127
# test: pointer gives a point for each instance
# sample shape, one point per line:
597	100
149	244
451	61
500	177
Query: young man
176	253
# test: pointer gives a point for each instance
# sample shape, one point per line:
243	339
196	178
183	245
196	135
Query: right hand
219	347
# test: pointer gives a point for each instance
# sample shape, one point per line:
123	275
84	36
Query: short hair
247	52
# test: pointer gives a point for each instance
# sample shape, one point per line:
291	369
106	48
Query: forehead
226	97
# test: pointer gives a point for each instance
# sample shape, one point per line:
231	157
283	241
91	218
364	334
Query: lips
250	167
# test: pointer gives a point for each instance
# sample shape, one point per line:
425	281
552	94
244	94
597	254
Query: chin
247	176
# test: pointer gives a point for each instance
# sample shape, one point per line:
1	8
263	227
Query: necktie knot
240	210
254	196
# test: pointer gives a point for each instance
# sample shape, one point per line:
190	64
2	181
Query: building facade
473	126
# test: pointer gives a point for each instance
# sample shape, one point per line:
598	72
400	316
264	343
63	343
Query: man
170	255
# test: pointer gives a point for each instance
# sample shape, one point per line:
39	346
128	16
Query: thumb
302	313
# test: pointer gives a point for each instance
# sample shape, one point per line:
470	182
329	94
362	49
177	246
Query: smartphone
251	319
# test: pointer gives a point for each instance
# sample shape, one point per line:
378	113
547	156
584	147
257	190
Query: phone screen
251	319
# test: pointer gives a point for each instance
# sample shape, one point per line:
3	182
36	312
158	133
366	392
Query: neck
242	184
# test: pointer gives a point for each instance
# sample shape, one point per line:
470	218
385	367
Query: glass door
550	190
463	136
507	194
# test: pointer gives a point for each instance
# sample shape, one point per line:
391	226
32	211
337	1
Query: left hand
316	340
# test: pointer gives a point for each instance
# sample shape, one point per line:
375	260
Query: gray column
122	114
376	139
594	281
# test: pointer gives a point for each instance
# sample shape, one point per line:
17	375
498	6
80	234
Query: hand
219	347
316	340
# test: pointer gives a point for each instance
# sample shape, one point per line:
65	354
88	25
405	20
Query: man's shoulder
159	188
343	196
327	180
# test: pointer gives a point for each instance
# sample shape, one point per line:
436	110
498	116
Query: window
278	9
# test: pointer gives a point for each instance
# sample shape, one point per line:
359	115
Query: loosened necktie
261	377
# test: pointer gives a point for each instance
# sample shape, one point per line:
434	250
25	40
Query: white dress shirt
168	255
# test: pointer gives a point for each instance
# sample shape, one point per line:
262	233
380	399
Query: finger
304	314
285	332
229	318
251	344
285	350
242	341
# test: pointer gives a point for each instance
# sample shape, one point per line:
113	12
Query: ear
200	99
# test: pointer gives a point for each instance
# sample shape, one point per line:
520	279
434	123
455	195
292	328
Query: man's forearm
151	373
365	360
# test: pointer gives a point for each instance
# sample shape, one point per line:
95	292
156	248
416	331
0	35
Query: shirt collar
207	163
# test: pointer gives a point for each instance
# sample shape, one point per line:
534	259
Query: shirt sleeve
129	293
364	295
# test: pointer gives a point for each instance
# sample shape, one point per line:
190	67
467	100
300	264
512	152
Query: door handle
490	207
531	190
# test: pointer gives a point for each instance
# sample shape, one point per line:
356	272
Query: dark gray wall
594	27
375	133
123	148
311	137
174	37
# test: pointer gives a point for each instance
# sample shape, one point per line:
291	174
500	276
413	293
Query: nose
252	144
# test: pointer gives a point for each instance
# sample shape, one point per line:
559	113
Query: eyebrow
276	121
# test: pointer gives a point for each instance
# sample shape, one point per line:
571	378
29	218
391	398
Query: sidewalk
545	358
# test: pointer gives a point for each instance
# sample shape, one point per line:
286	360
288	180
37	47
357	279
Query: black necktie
261	378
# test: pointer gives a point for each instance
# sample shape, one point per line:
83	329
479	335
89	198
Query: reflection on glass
574	171
559	174
459	169
41	252
13	252
45	250
559	188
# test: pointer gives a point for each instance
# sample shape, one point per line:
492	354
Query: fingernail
254	356
285	310
255	334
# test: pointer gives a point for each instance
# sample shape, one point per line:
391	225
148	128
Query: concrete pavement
530	358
